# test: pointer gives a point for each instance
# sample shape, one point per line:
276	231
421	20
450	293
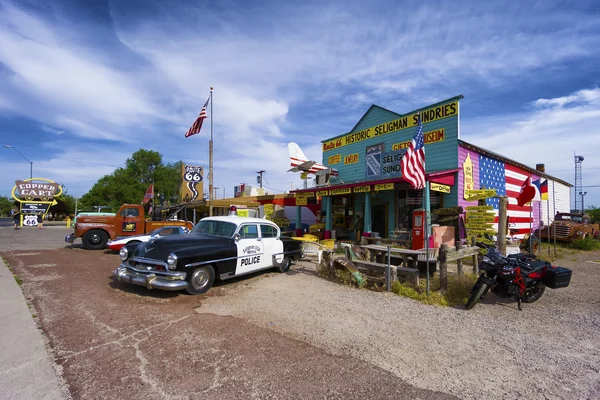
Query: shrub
586	244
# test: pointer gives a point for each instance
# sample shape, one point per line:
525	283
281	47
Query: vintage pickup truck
570	227
217	248
96	230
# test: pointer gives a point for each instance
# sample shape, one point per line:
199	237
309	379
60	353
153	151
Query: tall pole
427	232
76	198
260	177
210	158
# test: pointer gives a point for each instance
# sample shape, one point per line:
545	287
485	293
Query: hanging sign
479	208
362	189
334	192
384	186
438	187
322	193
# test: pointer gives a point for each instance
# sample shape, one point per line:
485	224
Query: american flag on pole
413	161
197	125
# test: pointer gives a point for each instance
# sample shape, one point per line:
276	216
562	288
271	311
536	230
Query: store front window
409	200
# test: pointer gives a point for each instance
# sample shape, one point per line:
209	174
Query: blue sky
84	84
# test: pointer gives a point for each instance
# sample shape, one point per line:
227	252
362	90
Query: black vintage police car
217	248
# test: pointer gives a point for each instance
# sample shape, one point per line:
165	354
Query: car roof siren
232	210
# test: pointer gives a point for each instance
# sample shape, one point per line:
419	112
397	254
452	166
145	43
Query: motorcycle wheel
477	293
534	293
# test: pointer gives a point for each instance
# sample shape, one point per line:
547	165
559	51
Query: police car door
273	245
250	250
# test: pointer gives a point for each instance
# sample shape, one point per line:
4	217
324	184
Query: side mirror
236	237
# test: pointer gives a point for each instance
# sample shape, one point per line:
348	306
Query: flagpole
210	158
548	206
427	205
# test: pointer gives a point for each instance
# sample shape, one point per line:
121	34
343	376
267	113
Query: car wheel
200	280
95	239
285	265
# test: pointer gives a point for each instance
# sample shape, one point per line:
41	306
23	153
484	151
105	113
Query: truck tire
95	239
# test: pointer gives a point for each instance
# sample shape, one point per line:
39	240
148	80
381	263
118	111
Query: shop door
379	220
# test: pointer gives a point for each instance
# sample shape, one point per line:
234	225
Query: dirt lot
296	335
114	341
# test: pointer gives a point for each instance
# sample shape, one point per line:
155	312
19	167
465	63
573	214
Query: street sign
479	208
472	195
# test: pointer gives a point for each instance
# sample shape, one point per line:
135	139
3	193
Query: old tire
200	280
477	293
534	293
95	239
285	265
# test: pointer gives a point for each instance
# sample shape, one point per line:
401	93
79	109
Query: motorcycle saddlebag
557	277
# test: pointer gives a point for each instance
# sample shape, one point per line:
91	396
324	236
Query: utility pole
582	203
259	177
215	194
578	182
210	158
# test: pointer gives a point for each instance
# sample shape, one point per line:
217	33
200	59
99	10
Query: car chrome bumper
175	280
70	238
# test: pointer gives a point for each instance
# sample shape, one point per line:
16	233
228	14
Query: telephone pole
259	177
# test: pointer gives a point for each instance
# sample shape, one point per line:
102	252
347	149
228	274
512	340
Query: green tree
594	213
6	204
129	184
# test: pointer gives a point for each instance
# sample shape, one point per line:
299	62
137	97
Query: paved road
116	341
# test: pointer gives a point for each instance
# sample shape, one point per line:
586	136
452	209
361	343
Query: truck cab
130	220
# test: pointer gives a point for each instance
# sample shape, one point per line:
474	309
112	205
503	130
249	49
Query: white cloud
551	133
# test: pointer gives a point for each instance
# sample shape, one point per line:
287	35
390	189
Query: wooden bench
406	274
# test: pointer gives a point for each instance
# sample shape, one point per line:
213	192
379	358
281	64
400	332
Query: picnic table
415	255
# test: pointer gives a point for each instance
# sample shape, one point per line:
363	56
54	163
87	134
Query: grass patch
586	244
458	291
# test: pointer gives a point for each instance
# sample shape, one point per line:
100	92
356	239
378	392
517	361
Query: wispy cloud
138	76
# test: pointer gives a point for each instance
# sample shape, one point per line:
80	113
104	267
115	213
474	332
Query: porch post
328	217
299	230
368	227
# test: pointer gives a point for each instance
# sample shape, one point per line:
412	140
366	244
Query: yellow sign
477	225
192	182
384	186
429	137
481	231
322	193
362	189
301	201
432	114
472	195
479	208
481	217
351	159
468	176
303	175
305	194
438	187
334	192
282	222
334	159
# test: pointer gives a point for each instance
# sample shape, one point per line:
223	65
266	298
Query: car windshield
155	232
217	228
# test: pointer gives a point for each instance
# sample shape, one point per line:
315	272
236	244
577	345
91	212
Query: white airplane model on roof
301	163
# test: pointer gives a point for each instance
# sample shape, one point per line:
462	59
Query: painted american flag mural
507	180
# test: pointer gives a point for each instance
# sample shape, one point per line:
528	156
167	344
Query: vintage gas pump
418	229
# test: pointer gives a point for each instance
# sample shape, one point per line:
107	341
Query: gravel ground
550	350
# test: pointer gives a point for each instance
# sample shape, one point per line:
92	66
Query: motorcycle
519	276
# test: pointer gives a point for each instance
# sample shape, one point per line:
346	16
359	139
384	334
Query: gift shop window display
343	220
410	200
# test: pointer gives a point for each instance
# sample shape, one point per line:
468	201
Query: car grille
562	231
147	265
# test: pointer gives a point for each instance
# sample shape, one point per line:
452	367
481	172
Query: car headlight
123	253
172	261
579	233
